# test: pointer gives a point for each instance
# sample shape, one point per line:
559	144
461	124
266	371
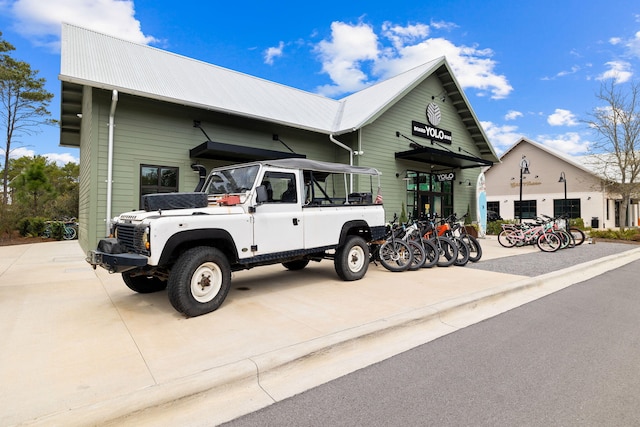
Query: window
572	208
494	206
281	187
529	209
427	196
157	179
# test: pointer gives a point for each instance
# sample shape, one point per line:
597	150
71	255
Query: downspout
112	113
341	145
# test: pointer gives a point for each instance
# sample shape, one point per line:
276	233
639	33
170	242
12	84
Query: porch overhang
442	160
238	153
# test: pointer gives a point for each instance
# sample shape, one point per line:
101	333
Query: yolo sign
430	132
445	177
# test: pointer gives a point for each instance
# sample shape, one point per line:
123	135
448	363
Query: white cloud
512	115
633	44
61	159
343	55
501	137
562	118
570	143
40	20
620	71
400	35
273	52
353	46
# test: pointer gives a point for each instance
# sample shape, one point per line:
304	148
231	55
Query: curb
260	381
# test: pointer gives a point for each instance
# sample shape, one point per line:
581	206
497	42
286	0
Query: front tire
143	284
199	281
295	265
352	259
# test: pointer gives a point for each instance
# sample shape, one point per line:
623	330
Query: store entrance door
430	203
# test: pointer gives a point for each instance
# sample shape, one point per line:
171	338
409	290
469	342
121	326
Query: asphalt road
569	359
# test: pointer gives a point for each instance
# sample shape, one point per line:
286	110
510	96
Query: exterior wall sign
429	132
444	177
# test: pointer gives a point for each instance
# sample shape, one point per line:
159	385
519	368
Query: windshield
230	181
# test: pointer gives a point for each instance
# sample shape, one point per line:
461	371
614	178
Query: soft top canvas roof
316	165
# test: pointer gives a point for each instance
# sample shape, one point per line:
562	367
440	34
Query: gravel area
537	263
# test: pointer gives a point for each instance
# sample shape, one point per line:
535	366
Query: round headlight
145	239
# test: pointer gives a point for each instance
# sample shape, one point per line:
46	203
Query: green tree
23	104
32	187
617	150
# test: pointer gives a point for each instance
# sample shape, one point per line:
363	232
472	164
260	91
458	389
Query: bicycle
457	229
69	229
539	233
447	249
412	235
393	253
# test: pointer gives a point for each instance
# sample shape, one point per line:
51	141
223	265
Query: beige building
533	180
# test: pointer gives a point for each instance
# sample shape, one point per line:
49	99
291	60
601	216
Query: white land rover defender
287	211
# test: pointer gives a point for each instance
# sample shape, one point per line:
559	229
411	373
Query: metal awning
231	152
441	160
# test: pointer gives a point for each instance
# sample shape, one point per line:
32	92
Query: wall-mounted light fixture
404	175
468	181
442	96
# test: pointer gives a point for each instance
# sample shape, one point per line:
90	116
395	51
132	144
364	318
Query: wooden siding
379	143
154	133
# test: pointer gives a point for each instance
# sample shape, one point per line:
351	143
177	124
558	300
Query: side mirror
261	194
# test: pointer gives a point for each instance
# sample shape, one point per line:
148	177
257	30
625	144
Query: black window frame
158	187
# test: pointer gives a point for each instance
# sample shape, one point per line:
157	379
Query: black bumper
116	263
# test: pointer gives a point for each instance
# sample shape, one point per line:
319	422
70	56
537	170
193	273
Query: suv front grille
130	236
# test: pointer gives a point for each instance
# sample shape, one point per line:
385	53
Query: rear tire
448	251
463	252
199	281
578	235
295	265
352	259
419	255
431	254
475	250
143	284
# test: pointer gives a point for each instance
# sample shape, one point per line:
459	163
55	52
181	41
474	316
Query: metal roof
102	61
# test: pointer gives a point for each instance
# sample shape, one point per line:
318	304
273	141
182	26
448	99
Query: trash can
595	222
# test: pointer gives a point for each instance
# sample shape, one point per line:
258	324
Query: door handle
295	221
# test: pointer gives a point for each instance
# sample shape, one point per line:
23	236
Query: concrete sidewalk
80	348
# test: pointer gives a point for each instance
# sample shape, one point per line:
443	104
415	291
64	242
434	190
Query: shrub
31	226
627	234
577	222
57	230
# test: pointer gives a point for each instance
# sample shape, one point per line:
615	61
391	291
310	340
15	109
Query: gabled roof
102	61
573	161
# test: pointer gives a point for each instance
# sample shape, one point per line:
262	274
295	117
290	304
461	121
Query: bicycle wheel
463	252
566	238
69	233
448	251
577	234
507	238
475	251
395	255
431	253
548	242
419	255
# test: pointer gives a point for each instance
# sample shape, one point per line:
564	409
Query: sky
528	69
